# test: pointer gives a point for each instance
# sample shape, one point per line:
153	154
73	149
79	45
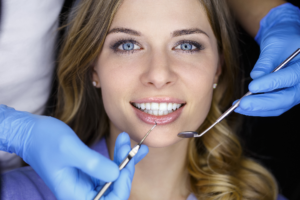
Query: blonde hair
215	162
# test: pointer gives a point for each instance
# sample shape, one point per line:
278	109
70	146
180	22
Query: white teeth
157	109
174	106
163	106
170	106
154	106
148	106
160	112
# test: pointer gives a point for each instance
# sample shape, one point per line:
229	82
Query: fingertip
235	101
245	104
256	74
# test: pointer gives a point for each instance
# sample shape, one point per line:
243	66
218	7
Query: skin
158	68
250	13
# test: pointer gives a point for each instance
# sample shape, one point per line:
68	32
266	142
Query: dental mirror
190	134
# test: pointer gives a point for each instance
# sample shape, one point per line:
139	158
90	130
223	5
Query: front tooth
150	112
178	105
154	106
166	112
143	106
138	105
155	112
169	106
174	106
169	111
148	106
163	106
160	112
145	111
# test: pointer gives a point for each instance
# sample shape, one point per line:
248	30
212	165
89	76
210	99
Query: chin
158	138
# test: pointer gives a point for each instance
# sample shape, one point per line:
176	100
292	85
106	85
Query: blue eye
186	46
128	46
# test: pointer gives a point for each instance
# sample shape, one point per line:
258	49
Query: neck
161	174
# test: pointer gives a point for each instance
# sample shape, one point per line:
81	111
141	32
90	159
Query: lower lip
160	120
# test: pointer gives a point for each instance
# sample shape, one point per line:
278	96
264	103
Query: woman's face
159	63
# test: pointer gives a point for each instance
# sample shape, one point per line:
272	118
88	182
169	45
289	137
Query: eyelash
115	46
196	44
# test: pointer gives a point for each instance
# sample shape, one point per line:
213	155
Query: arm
68	167
275	26
249	13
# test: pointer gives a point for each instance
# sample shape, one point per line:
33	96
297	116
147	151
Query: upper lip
159	100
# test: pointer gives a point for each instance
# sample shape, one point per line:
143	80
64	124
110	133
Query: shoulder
30	185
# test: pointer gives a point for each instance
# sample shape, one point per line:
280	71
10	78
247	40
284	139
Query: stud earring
95	83
215	85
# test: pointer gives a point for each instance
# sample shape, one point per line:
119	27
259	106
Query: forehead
148	16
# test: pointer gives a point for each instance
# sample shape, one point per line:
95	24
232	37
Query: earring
95	83
215	85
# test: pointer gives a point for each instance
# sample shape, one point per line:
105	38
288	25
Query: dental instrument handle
234	106
123	164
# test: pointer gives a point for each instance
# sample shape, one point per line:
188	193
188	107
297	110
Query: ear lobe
95	78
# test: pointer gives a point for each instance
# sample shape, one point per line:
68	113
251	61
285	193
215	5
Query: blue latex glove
69	168
120	189
278	37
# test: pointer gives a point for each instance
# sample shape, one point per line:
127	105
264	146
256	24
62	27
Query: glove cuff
15	127
283	13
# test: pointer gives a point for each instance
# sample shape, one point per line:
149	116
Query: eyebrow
174	34
188	32
124	30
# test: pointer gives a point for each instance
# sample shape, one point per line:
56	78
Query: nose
159	72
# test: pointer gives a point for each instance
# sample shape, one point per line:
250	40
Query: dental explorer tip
147	133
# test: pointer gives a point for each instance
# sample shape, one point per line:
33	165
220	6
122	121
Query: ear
219	69
95	77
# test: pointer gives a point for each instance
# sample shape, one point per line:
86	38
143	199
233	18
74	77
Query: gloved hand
278	37
69	168
120	189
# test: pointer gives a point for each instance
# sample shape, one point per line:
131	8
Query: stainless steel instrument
130	155
190	134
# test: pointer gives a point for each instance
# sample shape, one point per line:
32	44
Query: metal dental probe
130	155
190	134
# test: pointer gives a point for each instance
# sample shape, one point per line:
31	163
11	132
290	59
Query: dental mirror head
188	134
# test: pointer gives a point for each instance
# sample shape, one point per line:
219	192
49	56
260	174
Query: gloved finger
89	161
122	153
71	180
122	139
283	78
275	49
266	61
283	99
271	113
141	154
121	187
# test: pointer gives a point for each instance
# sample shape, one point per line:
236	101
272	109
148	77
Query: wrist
15	127
281	14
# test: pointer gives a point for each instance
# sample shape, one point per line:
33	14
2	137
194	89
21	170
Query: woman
124	65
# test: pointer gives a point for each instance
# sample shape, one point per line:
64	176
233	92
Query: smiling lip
159	100
160	120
